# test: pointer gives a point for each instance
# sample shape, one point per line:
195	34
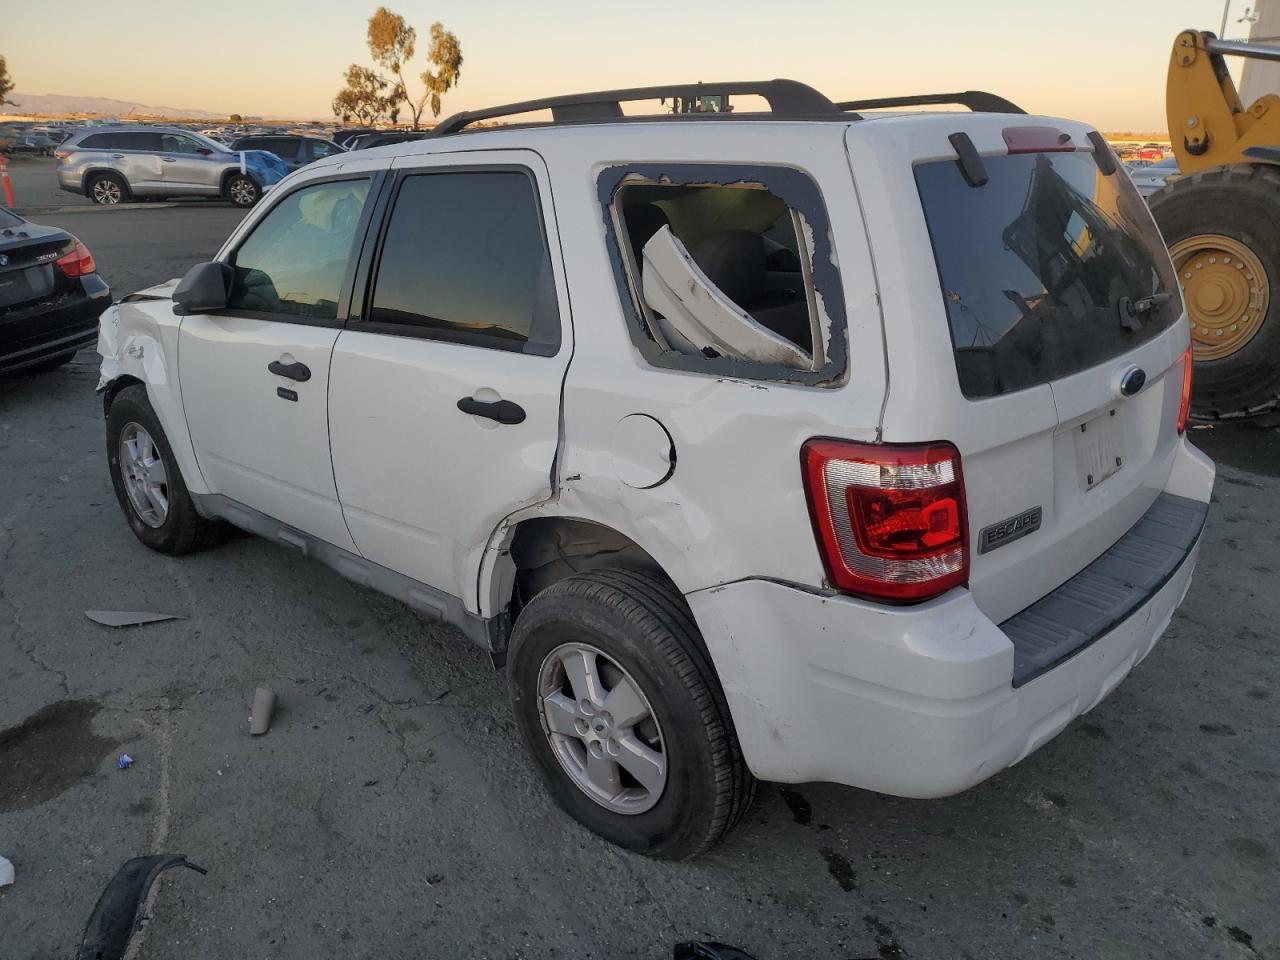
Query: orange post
4	181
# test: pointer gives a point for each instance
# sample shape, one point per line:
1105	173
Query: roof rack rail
787	98
979	101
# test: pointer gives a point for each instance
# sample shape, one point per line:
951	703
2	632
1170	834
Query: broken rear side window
727	270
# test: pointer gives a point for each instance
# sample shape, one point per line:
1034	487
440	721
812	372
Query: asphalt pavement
391	812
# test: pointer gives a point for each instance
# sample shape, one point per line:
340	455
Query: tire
646	637
181	529
1233	210
107	189
242	190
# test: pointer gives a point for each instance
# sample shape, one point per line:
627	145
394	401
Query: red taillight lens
890	520
1184	407
77	263
61	154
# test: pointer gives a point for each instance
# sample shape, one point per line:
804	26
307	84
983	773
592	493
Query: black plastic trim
969	160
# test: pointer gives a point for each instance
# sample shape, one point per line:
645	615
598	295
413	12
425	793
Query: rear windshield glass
1047	269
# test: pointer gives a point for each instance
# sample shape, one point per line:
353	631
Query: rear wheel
617	701
242	190
108	189
1223	231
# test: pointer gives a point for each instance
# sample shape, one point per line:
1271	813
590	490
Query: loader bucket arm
1208	125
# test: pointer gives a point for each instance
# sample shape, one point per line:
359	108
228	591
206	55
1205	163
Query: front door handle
169	159
504	411
294	371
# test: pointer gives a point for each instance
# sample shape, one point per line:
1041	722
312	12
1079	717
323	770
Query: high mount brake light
78	262
1184	405
890	519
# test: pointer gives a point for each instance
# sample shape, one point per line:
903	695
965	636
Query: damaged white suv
793	445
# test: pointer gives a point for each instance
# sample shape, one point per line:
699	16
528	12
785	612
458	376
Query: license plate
1098	449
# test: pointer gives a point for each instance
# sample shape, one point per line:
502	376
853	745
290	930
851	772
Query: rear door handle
294	371
117	156
504	411
169	159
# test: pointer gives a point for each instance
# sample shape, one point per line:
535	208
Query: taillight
61	154
77	263
890	520
1184	406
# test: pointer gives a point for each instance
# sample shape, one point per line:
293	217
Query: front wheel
243	190
147	482
618	703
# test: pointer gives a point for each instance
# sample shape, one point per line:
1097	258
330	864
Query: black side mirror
203	289
203	151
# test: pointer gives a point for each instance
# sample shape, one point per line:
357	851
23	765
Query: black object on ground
118	913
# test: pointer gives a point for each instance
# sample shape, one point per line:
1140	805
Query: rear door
255	376
444	396
136	154
1021	314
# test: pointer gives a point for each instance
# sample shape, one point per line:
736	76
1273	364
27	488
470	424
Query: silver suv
114	164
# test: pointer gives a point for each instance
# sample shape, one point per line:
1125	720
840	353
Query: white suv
797	445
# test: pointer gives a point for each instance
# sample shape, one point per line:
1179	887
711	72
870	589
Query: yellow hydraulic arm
1208	125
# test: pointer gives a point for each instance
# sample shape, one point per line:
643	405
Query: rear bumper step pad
1086	607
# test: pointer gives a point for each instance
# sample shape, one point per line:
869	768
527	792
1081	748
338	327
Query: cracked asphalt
390	811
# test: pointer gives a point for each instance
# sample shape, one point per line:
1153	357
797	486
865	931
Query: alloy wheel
107	191
143	471
243	192
602	728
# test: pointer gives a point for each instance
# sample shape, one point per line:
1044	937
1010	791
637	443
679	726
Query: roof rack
979	101
786	98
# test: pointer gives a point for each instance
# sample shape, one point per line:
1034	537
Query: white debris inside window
723	271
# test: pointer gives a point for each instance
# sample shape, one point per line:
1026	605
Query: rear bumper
35	334
911	701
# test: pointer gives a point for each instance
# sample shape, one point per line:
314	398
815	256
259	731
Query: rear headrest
643	221
735	262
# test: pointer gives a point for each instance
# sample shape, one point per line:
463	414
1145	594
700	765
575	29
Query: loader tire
1223	231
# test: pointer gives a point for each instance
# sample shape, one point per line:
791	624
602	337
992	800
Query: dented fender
138	339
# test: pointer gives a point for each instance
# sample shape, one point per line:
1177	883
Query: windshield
213	145
1040	265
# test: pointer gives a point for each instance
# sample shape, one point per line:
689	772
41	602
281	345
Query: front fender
138	341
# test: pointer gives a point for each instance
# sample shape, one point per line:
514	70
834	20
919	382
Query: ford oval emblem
1133	380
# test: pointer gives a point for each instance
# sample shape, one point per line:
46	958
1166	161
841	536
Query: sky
1100	61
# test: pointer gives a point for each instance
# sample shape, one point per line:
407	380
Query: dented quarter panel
138	337
734	505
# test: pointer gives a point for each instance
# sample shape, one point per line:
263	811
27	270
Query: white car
788	446
1150	177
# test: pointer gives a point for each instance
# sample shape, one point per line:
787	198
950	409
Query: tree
6	84
235	118
362	98
392	43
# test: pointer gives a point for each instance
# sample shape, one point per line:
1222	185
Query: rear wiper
1132	312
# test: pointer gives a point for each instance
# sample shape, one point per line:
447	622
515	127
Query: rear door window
136	140
464	258
1040	265
96	141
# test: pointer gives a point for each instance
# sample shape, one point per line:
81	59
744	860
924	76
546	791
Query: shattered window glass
722	272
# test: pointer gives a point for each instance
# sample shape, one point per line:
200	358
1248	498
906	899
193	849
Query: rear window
1038	264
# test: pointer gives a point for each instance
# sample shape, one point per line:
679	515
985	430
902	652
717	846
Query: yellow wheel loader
1221	220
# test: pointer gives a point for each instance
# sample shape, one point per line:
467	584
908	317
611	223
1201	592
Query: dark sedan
295	150
50	295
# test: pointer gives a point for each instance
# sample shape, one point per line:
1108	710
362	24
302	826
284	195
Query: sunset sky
1100	61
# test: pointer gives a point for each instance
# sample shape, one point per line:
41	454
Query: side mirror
203	151
202	290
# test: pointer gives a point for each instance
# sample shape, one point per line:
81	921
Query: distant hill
27	103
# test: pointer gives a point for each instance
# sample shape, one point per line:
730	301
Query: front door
255	376
182	163
444	397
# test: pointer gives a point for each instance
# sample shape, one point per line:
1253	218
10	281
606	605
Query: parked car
295	151
726	504
50	295
116	164
1151	176
341	137
382	138
36	144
